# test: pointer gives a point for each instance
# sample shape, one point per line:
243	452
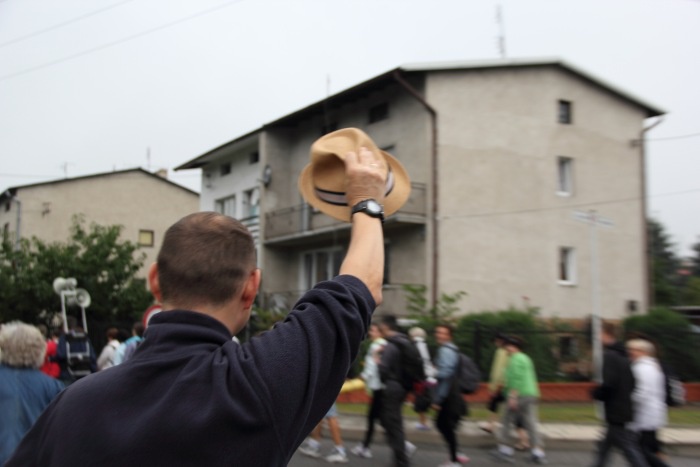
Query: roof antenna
501	31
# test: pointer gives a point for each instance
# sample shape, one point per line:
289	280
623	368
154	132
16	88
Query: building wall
406	132
501	220
132	199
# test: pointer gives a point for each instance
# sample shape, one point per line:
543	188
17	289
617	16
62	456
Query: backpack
412	371
675	392
468	375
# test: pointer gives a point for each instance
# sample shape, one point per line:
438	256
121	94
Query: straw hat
322	182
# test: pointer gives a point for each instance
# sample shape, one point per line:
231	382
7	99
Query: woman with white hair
24	390
649	397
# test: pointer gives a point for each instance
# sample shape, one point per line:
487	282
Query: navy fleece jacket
190	396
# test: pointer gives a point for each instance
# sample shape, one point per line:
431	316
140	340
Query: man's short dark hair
205	258
138	328
609	328
391	322
449	328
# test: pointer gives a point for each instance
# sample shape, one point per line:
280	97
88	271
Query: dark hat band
338	198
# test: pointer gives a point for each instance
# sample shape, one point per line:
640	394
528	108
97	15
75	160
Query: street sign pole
594	220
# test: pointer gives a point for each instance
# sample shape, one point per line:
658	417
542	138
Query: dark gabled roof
388	77
13	190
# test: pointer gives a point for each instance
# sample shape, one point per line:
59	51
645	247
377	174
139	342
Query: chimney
162	173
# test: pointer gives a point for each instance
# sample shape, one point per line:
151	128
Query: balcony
297	223
393	301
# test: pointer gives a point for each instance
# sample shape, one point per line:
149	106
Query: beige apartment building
509	161
145	204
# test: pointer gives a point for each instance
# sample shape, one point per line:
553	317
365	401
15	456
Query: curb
560	437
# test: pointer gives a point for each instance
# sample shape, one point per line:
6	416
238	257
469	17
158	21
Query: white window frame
226	206
566	266
565	176
251	203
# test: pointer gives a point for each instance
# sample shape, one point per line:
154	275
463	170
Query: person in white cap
649	398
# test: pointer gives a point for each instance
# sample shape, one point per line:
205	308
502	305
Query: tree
695	260
429	317
103	265
664	266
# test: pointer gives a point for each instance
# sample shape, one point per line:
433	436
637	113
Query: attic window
254	157
225	169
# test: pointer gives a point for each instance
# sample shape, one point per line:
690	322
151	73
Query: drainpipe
9	195
434	180
647	248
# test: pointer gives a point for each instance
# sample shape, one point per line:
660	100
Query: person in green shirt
522	393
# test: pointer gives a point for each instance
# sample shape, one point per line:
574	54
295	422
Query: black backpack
467	374
412	371
675	392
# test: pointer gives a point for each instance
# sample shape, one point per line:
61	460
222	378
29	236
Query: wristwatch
369	207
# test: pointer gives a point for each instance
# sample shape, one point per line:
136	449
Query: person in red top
50	367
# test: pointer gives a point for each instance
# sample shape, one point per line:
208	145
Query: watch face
373	206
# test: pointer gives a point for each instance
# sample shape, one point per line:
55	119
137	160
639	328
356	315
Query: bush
673	335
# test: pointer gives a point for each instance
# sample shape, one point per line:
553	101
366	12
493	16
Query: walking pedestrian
615	391
312	447
448	401
423	394
391	371
648	398
522	393
375	389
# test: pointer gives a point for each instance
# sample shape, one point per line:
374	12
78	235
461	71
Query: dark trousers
650	448
373	413
624	439
446	422
392	421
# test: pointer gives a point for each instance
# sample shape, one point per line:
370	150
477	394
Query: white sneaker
361	451
462	458
337	457
310	451
410	448
450	464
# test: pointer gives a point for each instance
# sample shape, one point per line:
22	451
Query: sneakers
462	458
421	427
450	464
410	448
535	459
310	451
362	451
502	456
337	457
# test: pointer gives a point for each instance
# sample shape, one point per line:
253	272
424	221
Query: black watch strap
370	207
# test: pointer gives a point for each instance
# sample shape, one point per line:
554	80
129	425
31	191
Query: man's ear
250	288
154	283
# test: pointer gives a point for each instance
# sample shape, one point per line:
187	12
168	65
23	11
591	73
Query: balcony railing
301	219
394	300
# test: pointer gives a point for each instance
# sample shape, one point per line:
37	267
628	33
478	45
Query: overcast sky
89	86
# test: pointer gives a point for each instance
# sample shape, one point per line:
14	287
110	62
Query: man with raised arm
190	396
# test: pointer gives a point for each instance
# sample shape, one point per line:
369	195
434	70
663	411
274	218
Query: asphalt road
430	455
